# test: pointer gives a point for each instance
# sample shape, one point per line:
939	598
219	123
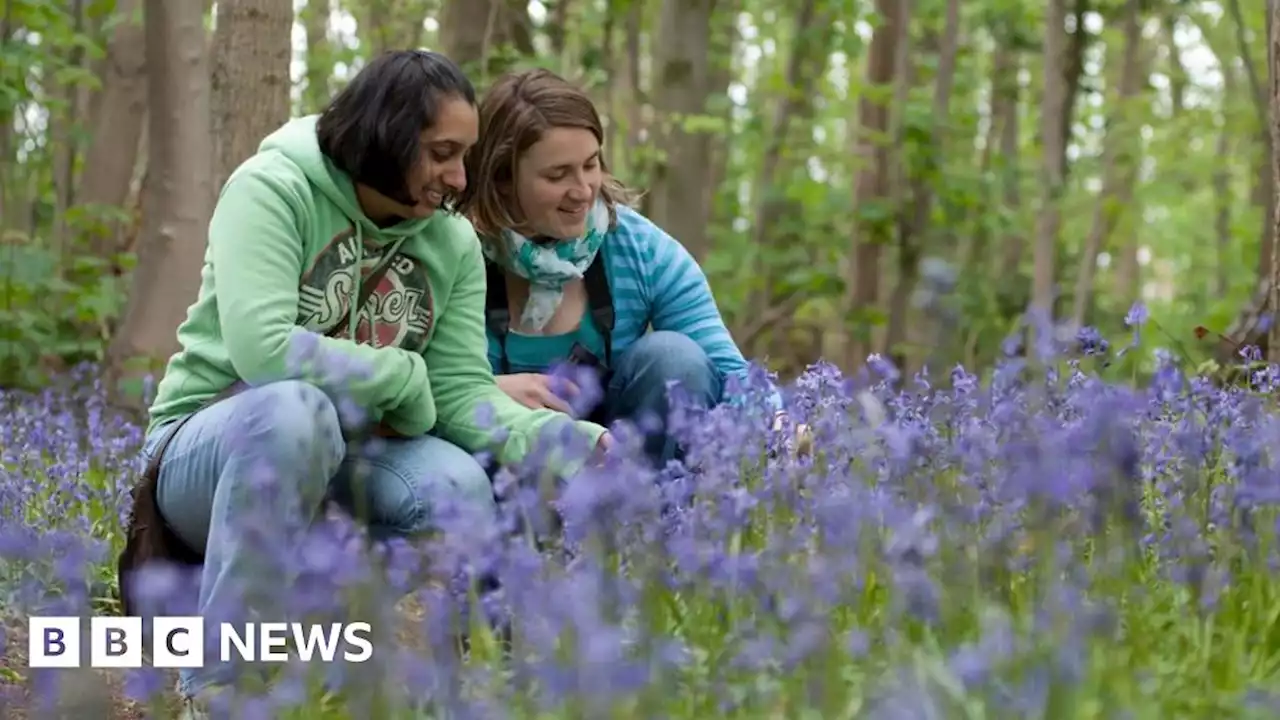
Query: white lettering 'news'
179	642
267	642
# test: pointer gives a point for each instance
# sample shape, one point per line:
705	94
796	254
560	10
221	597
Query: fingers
556	383
550	401
531	400
546	392
603	446
536	391
523	388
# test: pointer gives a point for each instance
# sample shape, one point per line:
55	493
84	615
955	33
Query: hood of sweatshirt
297	141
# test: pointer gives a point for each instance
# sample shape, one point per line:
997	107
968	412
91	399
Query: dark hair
371	129
514	114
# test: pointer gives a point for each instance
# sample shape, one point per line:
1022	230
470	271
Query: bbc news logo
179	642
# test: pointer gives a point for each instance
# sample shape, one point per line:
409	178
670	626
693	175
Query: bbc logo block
53	642
115	642
179	642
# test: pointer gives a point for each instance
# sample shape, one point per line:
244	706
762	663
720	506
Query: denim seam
409	485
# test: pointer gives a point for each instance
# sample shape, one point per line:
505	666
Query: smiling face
538	168
557	181
439	174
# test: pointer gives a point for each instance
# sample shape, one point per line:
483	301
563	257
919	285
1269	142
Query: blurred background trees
896	176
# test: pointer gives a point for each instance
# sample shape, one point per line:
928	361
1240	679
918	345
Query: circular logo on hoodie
399	311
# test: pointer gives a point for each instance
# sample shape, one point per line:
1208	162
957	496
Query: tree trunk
1012	242
1053	169
609	65
8	159
1262	196
872	229
721	76
480	34
113	149
1273	58
1113	196
1266	178
1222	191
913	242
1246	326
636	98
805	65
180	191
374	27
1000	141
1177	69
1072	71
250	79
392	24
62	136
682	85
558	29
1128	278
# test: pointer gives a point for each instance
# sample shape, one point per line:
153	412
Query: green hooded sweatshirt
283	240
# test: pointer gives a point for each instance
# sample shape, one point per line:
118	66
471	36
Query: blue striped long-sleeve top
654	281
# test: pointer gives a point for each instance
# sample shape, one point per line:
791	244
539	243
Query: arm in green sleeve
464	382
258	254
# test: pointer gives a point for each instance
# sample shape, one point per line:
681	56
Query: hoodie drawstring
353	314
353	311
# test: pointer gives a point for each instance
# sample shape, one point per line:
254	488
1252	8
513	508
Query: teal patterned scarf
549	267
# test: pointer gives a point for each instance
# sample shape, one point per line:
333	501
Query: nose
582	191
455	176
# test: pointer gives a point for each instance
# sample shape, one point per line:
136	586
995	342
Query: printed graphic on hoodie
399	312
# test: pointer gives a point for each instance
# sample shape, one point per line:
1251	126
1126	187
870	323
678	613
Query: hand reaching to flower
804	440
603	446
803	436
534	391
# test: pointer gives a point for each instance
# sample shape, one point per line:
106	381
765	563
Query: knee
467	480
663	357
296	425
455	491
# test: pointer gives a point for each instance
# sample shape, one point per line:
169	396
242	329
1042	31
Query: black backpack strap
497	313
601	301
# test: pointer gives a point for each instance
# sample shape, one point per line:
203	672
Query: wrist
593	431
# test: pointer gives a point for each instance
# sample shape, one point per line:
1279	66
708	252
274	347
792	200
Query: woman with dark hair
337	237
577	275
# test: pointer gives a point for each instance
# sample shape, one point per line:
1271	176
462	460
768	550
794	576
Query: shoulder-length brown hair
514	114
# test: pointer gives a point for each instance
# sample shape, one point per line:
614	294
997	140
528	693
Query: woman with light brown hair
576	275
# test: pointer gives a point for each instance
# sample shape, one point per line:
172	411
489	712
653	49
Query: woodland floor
84	692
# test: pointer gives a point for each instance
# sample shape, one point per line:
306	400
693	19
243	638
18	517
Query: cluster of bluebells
1028	543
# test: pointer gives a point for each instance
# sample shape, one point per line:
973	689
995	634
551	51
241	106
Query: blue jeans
638	391
290	430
